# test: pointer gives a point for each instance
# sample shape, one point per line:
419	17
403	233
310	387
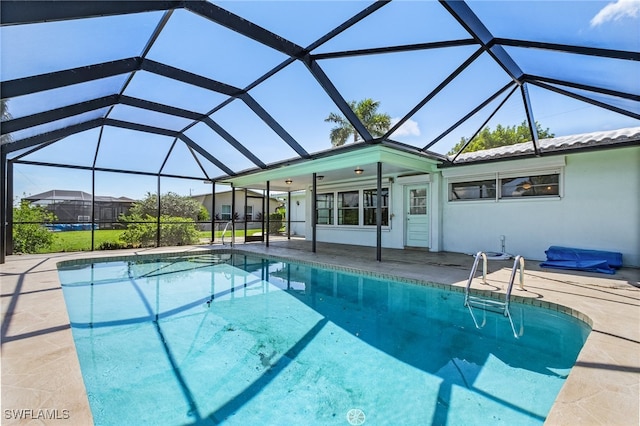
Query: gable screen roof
209	90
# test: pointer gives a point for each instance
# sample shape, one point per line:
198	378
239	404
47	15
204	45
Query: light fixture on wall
358	171
288	181
320	177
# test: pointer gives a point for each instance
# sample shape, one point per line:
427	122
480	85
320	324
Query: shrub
112	245
174	231
275	222
31	237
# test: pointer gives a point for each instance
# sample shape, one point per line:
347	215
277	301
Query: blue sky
399	81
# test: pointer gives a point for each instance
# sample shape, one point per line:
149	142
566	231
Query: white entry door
417	216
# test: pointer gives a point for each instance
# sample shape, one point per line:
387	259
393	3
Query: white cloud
616	11
408	128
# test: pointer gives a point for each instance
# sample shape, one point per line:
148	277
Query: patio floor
42	383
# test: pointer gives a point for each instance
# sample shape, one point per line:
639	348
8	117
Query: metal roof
562	144
210	90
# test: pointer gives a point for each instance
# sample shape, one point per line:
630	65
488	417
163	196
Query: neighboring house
74	207
582	192
251	211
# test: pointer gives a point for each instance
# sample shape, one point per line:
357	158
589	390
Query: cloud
616	11
408	128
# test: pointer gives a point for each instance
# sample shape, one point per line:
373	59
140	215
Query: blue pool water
235	339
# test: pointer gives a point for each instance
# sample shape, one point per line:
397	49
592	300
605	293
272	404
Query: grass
81	240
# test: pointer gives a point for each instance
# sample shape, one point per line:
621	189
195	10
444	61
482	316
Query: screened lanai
150	96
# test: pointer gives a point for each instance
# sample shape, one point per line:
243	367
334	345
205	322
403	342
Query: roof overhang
339	167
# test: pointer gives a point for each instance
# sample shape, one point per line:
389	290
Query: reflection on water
235	338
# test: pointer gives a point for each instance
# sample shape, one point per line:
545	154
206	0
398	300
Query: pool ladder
471	301
224	231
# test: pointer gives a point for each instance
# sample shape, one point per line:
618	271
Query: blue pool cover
605	262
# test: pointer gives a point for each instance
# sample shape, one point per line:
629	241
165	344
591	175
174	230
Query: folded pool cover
583	260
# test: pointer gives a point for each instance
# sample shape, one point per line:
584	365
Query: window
473	190
226	212
248	213
324	206
348	208
530	186
370	198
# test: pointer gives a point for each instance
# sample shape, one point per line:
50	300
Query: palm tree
6	115
366	110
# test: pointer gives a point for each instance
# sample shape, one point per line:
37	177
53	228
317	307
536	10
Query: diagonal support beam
586	99
193	145
273	124
14	12
52	136
246	28
462	13
21	123
331	90
533	127
233	142
53	80
189	78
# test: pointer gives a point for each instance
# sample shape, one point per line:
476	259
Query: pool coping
602	388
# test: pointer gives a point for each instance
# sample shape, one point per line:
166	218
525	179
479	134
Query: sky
399	81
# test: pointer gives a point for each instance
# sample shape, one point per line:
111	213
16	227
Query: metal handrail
224	231
486	302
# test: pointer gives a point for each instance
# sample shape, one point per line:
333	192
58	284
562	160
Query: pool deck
42	383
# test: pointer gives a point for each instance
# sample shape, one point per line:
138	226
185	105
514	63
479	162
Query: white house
582	192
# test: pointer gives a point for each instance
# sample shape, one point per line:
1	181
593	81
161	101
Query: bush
174	231
31	237
275	222
112	245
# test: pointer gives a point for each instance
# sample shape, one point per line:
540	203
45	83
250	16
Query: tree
367	111
177	221
171	204
501	136
29	236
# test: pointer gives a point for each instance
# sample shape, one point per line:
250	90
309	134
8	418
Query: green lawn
81	240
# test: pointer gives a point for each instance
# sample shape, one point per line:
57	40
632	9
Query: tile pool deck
42	383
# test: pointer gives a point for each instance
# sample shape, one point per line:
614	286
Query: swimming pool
236	339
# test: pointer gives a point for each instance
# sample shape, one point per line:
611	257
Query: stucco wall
599	209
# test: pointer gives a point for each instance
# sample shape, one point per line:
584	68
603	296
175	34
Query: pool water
236	339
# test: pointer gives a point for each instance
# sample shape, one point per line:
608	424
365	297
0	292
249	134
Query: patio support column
213	211
266	237
288	215
93	207
314	200
3	204
246	200
265	210
379	213
9	208
158	216
233	215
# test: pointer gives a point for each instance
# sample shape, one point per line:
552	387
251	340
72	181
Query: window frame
499	176
223	214
334	210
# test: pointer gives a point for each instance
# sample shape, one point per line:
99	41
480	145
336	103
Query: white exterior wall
599	209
